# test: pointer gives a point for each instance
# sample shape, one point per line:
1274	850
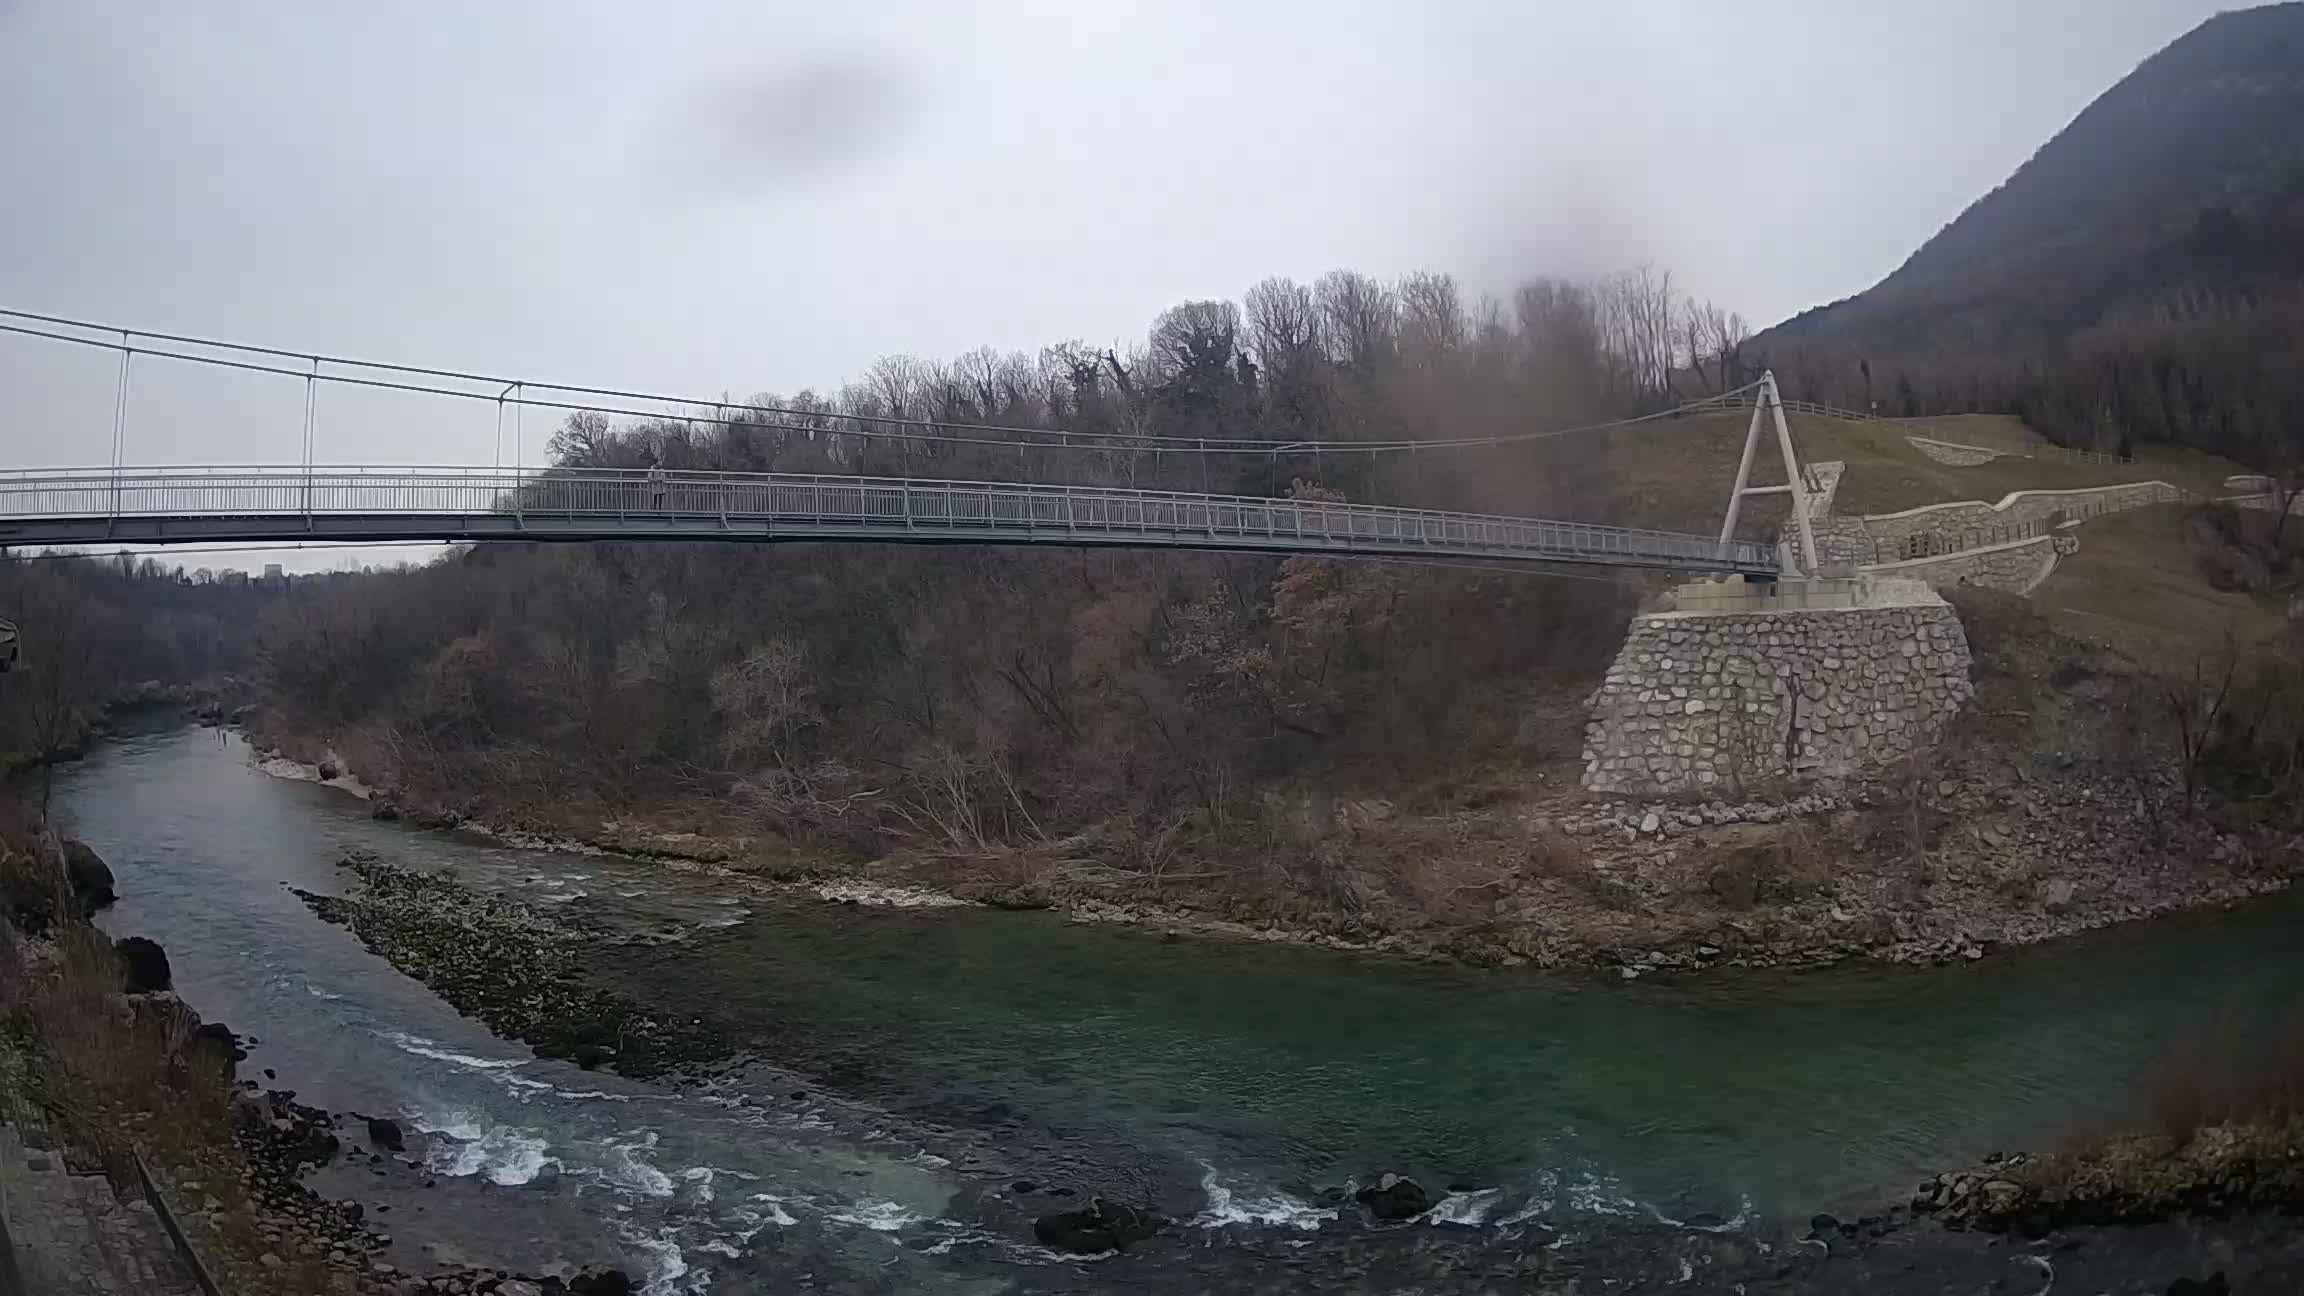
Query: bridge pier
1738	683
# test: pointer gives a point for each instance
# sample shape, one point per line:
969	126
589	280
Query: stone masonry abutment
1737	684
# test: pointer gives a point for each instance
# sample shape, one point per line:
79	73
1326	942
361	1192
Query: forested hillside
2141	278
857	696
97	630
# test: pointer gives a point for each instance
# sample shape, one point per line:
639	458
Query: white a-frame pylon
1767	403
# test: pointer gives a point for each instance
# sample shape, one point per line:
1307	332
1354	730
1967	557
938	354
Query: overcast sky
710	196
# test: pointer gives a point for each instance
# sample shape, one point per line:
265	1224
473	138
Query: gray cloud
775	123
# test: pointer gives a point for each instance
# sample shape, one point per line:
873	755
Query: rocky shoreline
1763	897
228	1155
2211	1173
515	968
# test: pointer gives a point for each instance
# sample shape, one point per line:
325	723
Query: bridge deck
265	504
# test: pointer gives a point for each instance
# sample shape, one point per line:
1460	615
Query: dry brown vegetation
115	1075
1156	714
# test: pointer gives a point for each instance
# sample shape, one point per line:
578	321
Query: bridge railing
634	500
1744	400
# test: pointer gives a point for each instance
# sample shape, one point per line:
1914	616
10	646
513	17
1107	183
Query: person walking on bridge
657	486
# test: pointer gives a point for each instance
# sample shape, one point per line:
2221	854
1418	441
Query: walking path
66	1230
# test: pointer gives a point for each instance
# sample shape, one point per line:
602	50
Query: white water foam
423	1047
664	1266
504	1155
1591	1195
880	1217
1273	1209
701	1177
1466	1208
628	1169
777	1215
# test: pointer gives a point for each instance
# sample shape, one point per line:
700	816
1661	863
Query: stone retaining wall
2017	567
1704	700
1890	531
1844	539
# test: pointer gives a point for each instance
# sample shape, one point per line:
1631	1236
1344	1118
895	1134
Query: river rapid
926	1081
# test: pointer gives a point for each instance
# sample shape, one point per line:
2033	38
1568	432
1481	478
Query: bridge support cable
433	381
120	420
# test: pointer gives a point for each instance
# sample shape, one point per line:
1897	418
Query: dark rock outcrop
600	1282
1103	1226
91	878
1394	1197
216	1041
330	770
144	966
385	1133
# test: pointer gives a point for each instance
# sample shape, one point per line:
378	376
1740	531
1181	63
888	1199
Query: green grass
1676	474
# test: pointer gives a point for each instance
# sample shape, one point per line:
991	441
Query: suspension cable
915	429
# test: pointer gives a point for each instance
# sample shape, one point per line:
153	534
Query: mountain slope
2134	279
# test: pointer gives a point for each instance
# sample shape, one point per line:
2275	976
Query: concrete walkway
70	1234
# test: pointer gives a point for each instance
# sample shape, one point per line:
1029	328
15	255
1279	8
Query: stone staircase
70	1234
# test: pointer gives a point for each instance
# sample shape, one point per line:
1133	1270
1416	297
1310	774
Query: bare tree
1710	342
1433	325
766	700
1362	320
2193	703
56	686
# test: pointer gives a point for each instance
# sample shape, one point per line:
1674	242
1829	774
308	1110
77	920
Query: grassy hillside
1676	474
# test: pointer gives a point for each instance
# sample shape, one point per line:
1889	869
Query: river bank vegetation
1346	752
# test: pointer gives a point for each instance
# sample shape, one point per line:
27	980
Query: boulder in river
384	1132
91	879
1103	1226
330	770
1395	1197
600	1281
144	965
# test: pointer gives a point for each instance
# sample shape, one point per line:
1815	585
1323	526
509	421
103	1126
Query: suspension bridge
125	504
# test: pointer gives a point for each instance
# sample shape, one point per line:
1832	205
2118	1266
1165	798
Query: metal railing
257	503
185	1251
1743	400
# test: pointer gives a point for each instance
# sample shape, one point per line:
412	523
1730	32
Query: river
913	1063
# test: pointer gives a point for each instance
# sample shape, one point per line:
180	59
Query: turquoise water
1793	1092
1219	1081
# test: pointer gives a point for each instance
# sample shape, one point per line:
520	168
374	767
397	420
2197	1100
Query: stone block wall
1844	539
2015	568
1711	700
1891	531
